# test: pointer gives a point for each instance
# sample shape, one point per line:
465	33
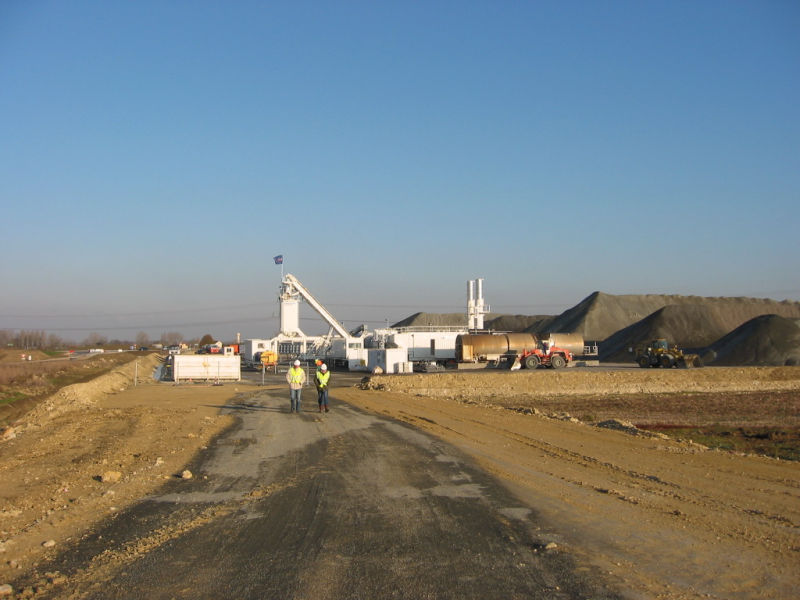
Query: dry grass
23	372
23	384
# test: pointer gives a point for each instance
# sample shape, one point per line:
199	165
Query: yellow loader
657	353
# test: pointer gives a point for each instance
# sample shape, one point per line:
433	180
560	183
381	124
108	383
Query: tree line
40	340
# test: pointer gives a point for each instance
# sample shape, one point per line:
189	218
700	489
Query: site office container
206	367
249	349
427	346
390	360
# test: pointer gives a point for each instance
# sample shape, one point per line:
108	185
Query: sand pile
765	340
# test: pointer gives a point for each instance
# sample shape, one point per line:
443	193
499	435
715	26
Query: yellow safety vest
323	378
296	374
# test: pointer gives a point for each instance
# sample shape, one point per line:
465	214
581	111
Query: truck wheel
557	361
667	361
644	362
531	362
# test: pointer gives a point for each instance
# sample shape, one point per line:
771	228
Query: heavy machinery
552	357
267	358
516	349
657	353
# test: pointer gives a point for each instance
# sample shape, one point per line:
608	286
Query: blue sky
155	156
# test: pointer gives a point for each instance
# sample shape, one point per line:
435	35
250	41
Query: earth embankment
542	383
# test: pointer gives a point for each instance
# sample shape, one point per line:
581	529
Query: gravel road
340	505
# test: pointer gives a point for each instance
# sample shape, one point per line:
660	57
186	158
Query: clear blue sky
155	156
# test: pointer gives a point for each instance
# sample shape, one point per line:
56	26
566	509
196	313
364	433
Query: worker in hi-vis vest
321	380
296	377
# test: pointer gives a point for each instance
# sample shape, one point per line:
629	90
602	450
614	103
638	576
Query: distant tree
54	342
171	338
95	339
207	339
31	339
6	337
142	340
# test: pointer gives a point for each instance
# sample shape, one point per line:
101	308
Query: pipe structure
479	308
470	304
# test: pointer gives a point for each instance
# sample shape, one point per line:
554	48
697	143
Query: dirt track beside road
670	518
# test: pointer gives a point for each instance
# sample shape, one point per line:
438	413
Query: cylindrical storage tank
470	348
568	341
517	342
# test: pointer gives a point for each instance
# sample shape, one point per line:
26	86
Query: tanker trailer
573	342
491	346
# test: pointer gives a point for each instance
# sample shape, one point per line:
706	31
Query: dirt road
634	516
338	505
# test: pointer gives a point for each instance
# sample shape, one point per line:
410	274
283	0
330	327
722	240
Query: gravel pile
765	340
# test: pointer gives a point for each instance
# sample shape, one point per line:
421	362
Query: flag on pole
278	259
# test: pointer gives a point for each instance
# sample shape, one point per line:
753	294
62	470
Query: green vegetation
11	397
775	442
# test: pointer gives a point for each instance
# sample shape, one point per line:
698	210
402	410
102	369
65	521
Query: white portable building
390	360
206	367
250	347
422	344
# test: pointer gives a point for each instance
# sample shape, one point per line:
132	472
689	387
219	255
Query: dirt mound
600	315
766	340
517	322
84	395
692	327
494	321
492	384
423	319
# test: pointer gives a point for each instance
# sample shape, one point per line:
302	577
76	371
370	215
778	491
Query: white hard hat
297	363
324	367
